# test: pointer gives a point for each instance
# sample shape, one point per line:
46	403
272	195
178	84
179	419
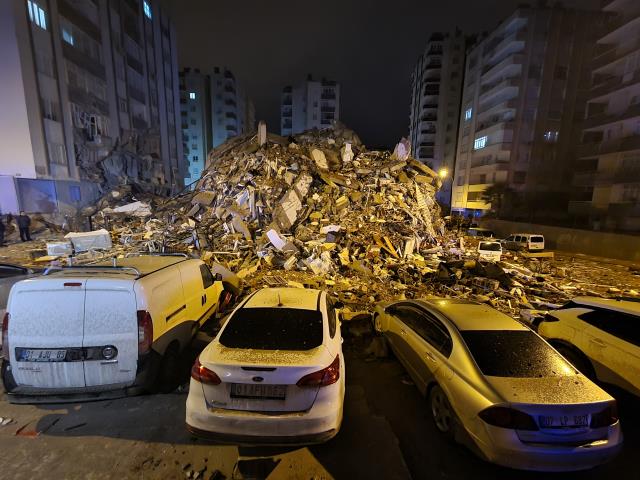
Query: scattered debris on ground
321	210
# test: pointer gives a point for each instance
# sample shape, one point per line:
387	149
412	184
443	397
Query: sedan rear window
490	246
517	353
273	329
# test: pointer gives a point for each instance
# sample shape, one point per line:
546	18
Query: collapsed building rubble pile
321	210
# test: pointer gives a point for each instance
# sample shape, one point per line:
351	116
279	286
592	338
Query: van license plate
266	392
562	421
41	355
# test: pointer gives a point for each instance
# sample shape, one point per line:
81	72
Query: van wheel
577	359
169	375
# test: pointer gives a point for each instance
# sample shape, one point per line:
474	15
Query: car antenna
279	301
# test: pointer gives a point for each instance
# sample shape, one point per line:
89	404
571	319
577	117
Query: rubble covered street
315	210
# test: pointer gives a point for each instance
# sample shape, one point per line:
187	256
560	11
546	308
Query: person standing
23	224
2	229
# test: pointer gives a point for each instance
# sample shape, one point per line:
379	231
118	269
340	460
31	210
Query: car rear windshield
273	329
537	239
517	353
490	246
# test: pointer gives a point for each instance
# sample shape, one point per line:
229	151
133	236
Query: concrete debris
320	210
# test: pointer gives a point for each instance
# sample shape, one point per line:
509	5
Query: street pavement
387	433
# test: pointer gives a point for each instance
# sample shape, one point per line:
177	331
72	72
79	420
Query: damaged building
90	97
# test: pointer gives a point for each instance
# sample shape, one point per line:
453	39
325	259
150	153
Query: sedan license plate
42	355
266	392
563	421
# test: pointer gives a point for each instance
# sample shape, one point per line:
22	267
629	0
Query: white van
489	251
532	242
104	330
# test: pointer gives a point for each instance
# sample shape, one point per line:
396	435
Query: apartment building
522	108
213	108
435	105
311	104
607	178
80	79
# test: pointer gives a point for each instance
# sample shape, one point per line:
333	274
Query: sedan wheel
441	411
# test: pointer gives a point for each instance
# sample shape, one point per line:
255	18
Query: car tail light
505	417
145	332
606	417
5	336
322	378
203	374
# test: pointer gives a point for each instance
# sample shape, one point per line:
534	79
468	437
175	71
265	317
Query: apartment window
194	158
37	15
122	103
57	153
460	181
67	36
74	193
193	108
193	121
194	146
468	113
480	142
551	136
192	95
50	109
147	9
519	177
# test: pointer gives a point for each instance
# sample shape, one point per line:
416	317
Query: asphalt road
387	434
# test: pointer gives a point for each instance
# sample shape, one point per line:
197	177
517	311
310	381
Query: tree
497	195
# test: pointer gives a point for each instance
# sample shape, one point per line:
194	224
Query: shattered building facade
90	96
522	107
311	104
435	105
607	177
213	108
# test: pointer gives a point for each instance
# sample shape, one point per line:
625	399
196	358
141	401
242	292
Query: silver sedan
496	386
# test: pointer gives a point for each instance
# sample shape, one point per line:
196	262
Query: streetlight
443	172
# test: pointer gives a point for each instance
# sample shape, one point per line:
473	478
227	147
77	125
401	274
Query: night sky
370	47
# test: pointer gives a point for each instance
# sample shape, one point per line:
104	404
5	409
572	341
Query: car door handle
598	342
430	356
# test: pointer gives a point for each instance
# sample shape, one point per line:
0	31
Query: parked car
9	275
601	337
495	385
531	242
490	251
104	330
274	374
480	232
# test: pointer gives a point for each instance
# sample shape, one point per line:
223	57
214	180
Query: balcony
230	89
328	109
511	44
623	144
498	105
498	91
613	84
84	61
614	53
327	96
136	94
429	105
139	123
510	65
425	152
604	118
135	64
82	14
618	21
431	117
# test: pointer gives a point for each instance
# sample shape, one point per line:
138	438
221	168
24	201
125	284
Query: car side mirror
338	305
217	277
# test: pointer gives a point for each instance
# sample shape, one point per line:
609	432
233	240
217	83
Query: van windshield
537	239
273	329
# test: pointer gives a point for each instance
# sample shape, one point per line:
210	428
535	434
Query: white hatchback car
496	386
274	374
601	337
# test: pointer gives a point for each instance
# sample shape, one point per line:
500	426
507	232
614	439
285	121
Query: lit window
67	36
551	136
147	9
192	95
37	14
480	142
467	114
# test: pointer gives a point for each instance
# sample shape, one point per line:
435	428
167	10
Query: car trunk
59	329
561	406
262	380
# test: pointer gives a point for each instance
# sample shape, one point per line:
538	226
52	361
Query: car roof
529	234
138	266
623	306
468	315
301	298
